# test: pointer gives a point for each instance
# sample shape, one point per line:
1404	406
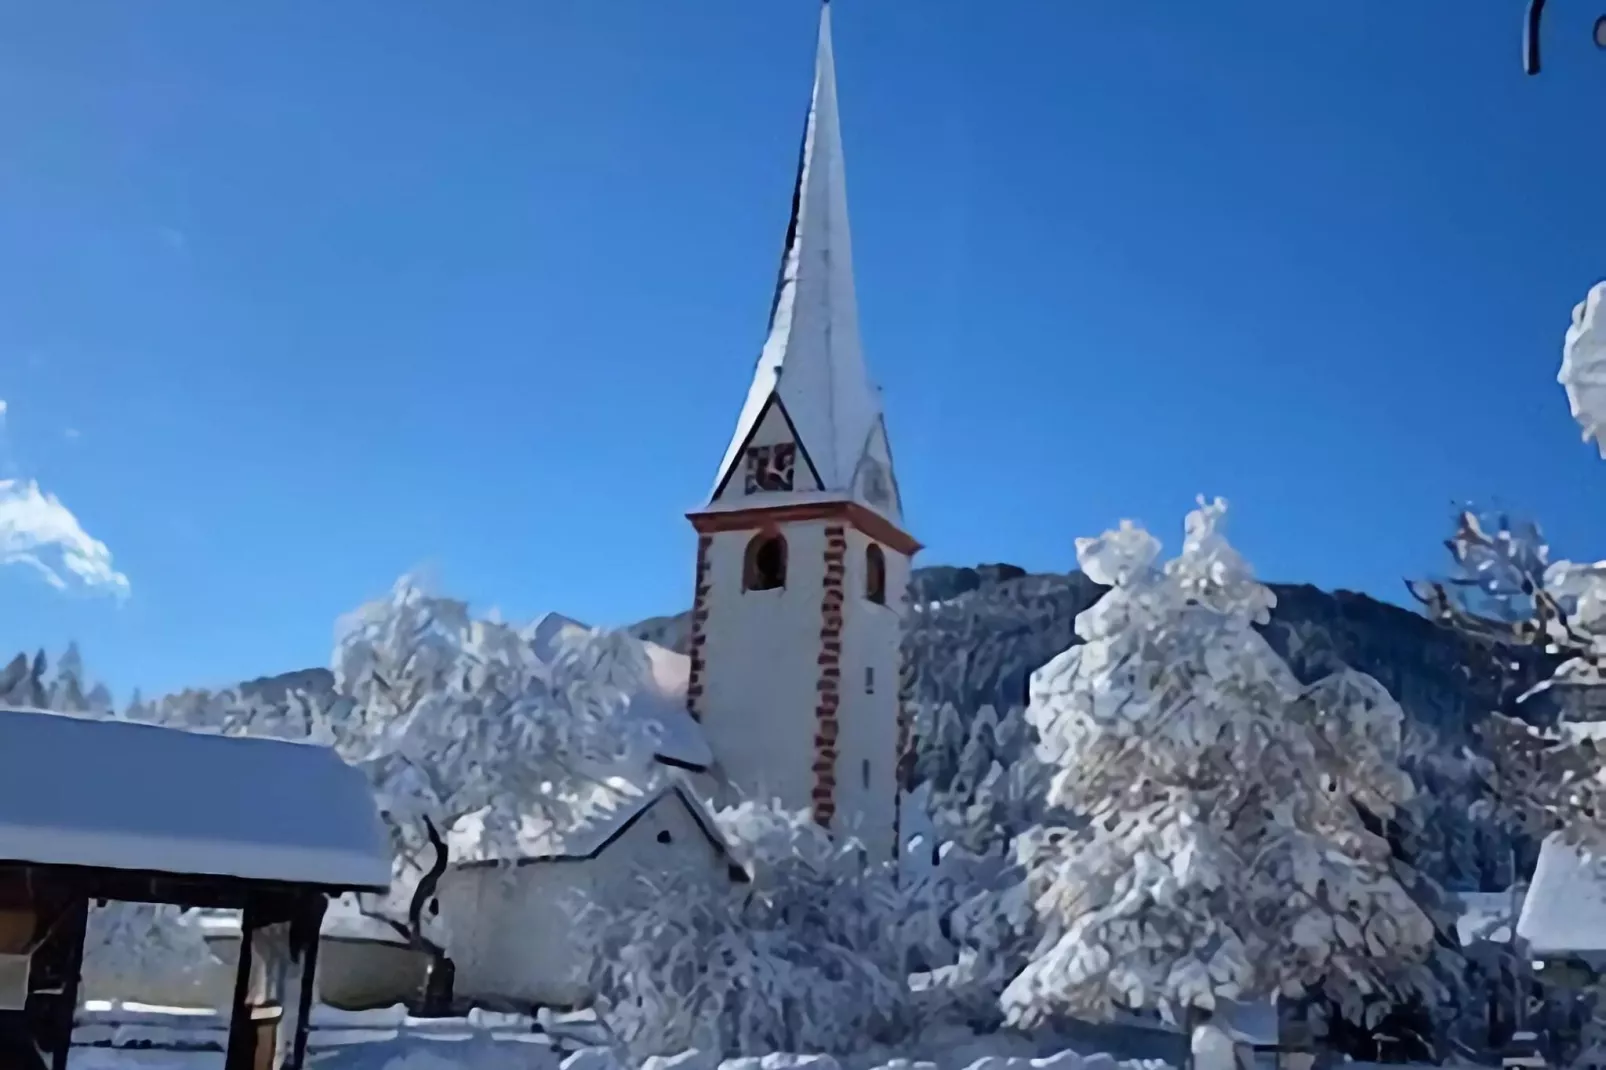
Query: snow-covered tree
457	715
811	955
457	718
981	785
1224	854
125	944
28	682
1546	622
460	725
986	785
1583	366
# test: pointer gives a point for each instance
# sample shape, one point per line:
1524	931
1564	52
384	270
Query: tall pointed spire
812	367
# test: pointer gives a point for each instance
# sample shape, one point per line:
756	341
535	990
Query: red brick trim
905	758
699	631
853	514
829	688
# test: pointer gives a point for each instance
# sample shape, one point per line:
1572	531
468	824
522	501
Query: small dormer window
764	567
769	468
875	574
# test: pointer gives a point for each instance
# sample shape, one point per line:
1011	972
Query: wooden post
313	922
72	935
242	1030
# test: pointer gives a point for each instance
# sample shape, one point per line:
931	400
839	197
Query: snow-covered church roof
602	816
812	364
661	700
113	794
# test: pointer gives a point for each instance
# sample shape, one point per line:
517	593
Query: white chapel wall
512	931
761	651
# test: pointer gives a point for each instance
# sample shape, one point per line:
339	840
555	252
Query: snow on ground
390	1040
476	1055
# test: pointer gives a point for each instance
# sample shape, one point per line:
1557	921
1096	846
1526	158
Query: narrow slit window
864	772
869	679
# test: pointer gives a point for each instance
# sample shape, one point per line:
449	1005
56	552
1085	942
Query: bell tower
802	557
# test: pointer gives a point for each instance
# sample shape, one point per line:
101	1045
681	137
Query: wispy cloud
39	532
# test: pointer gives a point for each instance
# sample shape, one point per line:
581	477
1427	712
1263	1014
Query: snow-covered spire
810	385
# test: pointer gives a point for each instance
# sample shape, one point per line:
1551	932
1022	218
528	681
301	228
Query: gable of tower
875	480
773	459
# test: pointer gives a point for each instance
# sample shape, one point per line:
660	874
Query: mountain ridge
1013	621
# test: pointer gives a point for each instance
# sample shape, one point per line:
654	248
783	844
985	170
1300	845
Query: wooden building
96	809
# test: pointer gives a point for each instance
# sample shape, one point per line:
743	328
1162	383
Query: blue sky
297	296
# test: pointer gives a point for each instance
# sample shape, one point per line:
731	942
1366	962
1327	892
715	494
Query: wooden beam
66	1009
242	1030
312	920
154	886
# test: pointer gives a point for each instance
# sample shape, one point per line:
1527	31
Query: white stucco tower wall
802	558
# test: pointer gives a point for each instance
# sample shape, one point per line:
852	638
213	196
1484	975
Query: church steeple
802	558
811	385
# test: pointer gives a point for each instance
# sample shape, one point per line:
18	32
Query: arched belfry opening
875	575
764	568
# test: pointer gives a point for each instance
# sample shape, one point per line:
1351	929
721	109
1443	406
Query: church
791	688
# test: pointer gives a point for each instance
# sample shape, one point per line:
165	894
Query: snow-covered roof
1565	909
812	360
113	794
663	701
603	815
660	701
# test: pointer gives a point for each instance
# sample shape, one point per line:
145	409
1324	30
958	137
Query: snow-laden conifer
1217	852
